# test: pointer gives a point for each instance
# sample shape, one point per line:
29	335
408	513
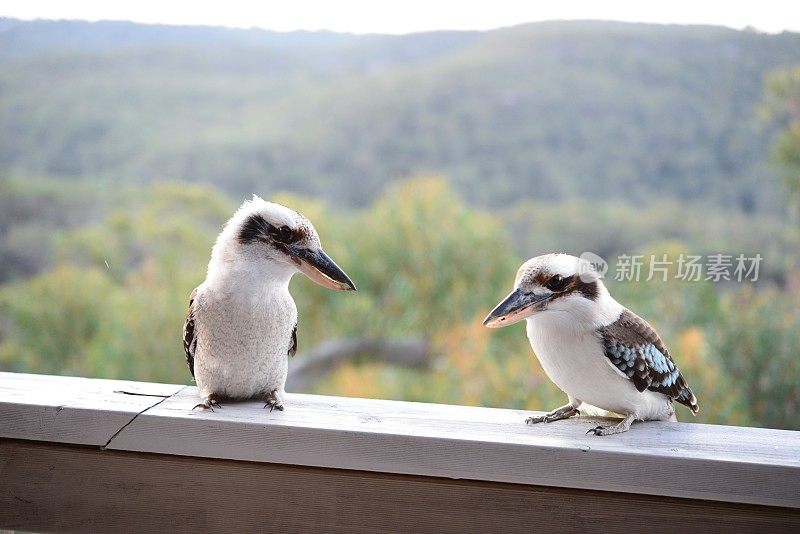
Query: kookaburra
594	349
242	322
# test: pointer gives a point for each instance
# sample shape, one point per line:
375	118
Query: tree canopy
545	111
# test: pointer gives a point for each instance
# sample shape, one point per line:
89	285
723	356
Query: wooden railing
89	455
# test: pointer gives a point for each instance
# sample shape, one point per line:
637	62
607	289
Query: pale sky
408	16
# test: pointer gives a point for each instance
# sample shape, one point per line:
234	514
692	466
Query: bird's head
553	283
280	238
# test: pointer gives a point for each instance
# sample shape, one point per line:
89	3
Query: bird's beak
320	268
514	308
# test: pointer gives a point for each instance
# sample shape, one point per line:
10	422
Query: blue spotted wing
634	347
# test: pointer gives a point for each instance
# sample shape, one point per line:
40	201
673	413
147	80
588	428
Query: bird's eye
283	234
556	283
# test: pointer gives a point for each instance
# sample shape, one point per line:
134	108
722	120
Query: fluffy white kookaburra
242	322
594	349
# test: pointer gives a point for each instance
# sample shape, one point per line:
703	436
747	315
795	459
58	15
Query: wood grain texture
749	465
72	409
728	464
49	487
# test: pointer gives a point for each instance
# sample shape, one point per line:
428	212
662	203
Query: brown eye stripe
284	234
256	228
571	284
545	278
298	234
590	289
542	278
558	283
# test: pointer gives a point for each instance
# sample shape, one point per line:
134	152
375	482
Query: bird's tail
686	397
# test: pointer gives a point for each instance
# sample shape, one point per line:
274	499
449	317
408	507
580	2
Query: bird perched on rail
594	349
241	326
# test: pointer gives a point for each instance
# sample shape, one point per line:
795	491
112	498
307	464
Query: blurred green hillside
427	265
547	111
432	166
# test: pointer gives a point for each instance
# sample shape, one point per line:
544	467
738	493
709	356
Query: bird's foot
273	401
565	412
622	426
208	403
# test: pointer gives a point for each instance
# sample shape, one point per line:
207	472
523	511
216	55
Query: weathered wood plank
48	487
748	465
72	409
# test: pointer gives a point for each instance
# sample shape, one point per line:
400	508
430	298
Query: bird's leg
564	412
273	401
619	428
209	402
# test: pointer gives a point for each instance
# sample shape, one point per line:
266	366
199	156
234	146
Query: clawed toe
623	426
274	405
273	401
208	404
543	419
565	412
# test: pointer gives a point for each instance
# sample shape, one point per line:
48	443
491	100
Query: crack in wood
20	499
163	398
141	394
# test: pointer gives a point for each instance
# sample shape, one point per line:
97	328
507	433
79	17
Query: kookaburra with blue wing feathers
594	349
241	326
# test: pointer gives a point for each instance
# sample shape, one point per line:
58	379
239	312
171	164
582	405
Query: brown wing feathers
189	338
634	347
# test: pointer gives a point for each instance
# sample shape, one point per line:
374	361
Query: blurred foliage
51	320
612	228
414	248
118	150
782	106
32	209
546	111
113	303
427	265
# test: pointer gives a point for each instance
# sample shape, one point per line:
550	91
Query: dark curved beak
514	308
320	268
